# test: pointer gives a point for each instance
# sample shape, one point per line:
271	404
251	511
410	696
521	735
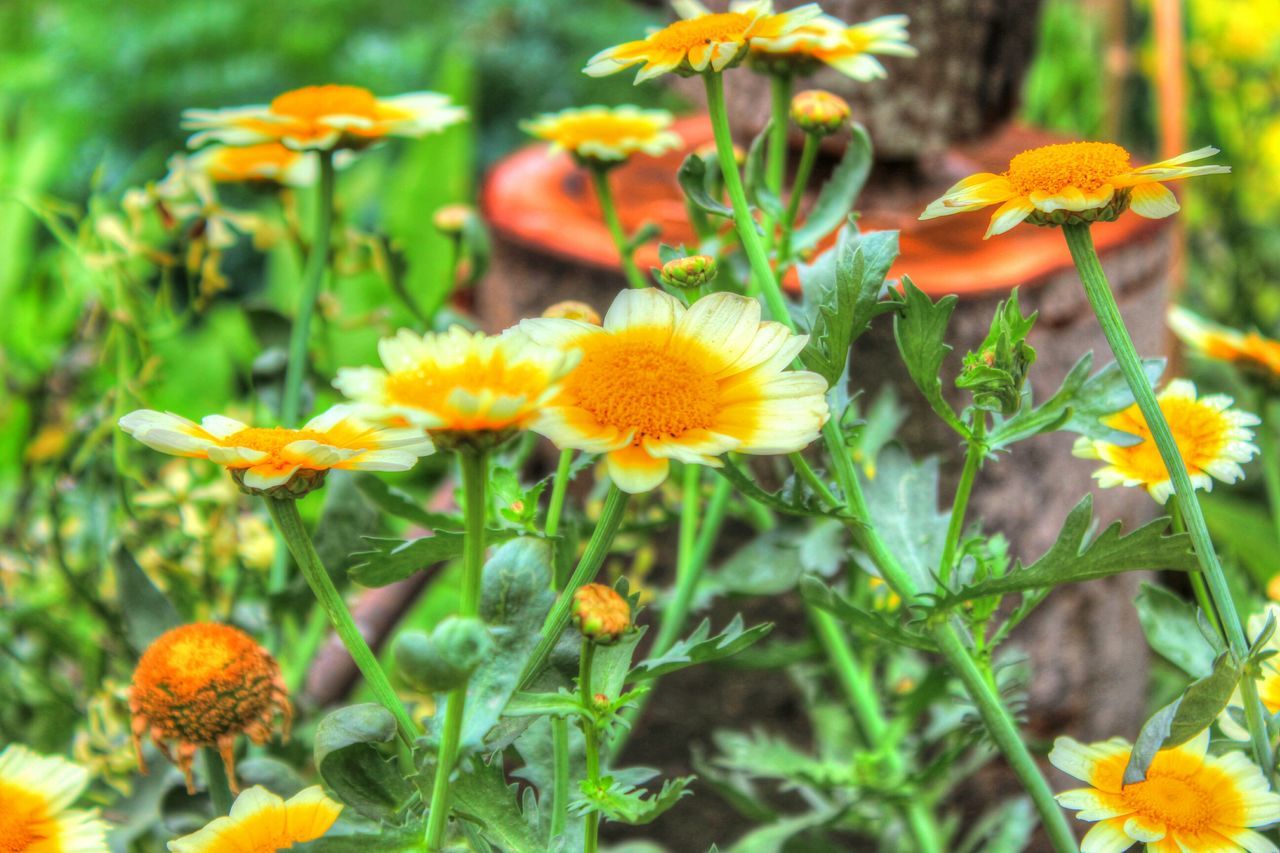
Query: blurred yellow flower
1191	802
606	134
325	118
1268	681
1213	440
36	795
828	40
1248	350
267	162
1072	182
262	822
660	381
700	40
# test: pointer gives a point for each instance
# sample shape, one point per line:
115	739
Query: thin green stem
560	781
216	778
691	488
806	472
558	487
746	225
285	515
974	454
615	504
861	693
312	279
808	156
776	162
600	178
475	473
591	833
1098	290
1197	582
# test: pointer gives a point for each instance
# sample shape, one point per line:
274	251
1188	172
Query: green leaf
695	179
769	564
148	613
818	594
753	179
345	518
1175	630
775	837
903	501
562	704
445	658
1185	717
484	798
625	803
794	498
1007	828
839	194
353	768
1243	527
920	329
396	559
698	648
840	307
1075	557
402	505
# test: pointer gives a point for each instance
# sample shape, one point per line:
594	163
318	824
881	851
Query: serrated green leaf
351	836
794	498
920	328
698	648
839	194
526	704
1074	557
353	768
1173	630
402	505
902	499
625	803
394	560
817	593
484	798
345	519
1185	717
694	179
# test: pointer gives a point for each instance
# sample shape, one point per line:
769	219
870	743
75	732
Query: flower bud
573	310
689	272
601	614
444	659
996	372
451	219
819	112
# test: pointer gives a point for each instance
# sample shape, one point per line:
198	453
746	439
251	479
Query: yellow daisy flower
457	385
261	822
608	134
36	794
1213	438
267	162
1268	681
205	684
1191	802
1070	183
1250	350
278	460
660	381
828	40
325	118
701	39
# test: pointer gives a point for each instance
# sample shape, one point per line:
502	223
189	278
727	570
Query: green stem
746	225
615	503
861	694
285	515
974	454
591	833
560	783
475	472
312	278
1098	290
776	164
216	778
600	178
806	472
1197	582
559	485
1270	453
808	156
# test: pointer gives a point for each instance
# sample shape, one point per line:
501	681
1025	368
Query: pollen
1050	169
1201	433
204	685
636	381
22	820
271	439
429	385
312	103
1181	804
703	30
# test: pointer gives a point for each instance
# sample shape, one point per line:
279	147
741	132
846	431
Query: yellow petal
634	471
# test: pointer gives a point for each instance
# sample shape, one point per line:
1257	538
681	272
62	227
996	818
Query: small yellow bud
690	272
819	112
601	614
452	218
573	310
1273	588
708	151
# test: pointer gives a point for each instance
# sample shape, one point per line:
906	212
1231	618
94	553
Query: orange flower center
1180	803
313	103
1199	430
1052	168
637	380
429	387
703	30
250	161
271	439
604	128
24	820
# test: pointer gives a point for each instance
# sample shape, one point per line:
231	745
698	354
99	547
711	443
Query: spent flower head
601	613
36	797
659	381
1213	440
826	40
202	685
263	822
819	113
1072	183
606	136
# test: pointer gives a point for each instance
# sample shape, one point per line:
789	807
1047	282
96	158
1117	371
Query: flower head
660	381
606	135
1190	801
819	113
701	40
36	794
827	40
280	462
571	309
1071	183
1250	351
457	385
205	684
601	614
262	822
1212	438
325	118
267	162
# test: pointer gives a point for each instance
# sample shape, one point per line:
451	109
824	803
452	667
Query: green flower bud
689	272
445	659
996	372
